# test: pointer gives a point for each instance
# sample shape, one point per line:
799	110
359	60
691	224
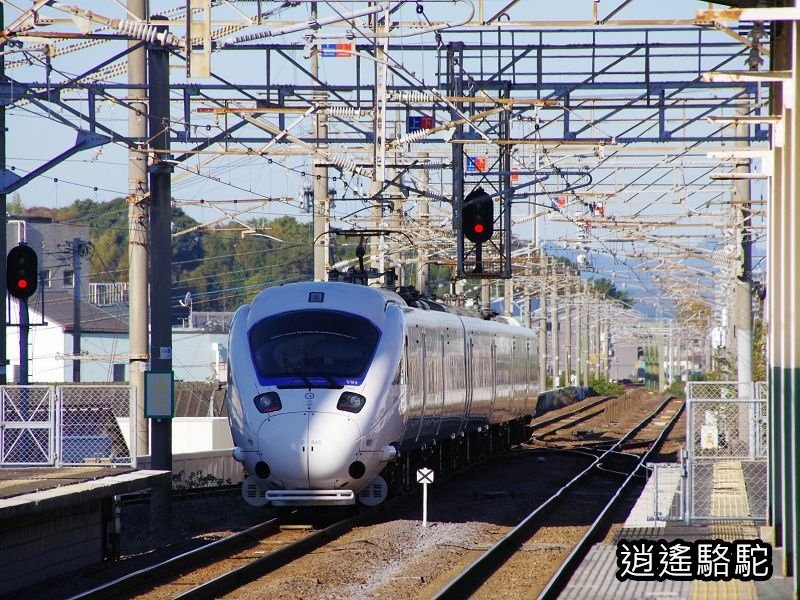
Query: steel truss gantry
521	99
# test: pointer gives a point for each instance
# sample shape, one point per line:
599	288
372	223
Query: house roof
58	308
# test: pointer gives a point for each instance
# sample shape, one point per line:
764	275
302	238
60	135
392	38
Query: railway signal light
477	216
22	271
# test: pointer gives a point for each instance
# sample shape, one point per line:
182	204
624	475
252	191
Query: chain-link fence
726	436
95	424
67	425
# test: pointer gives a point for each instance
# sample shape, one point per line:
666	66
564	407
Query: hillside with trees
221	268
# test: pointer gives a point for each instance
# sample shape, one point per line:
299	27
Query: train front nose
310	450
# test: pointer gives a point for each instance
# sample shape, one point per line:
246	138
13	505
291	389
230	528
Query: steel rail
559	580
230	581
122	586
471	578
571	423
233	580
549	421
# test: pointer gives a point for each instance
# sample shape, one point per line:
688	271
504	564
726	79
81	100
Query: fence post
56	401
688	455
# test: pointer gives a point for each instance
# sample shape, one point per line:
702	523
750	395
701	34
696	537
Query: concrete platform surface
17	481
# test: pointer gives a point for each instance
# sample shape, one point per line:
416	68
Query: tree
609	290
235	267
759	350
14	206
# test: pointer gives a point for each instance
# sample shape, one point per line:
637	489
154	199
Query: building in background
199	345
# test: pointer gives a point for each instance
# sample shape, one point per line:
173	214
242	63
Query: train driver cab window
313	343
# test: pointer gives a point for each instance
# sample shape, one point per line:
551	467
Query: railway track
545	427
196	574
190	581
600	499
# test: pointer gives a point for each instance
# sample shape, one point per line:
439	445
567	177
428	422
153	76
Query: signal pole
22	278
24	329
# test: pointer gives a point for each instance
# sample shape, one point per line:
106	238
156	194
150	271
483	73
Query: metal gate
66	425
667	491
27	425
727	443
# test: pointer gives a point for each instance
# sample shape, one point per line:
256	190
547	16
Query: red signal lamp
22	271
477	216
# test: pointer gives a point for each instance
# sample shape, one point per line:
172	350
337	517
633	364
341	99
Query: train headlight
351	402
267	403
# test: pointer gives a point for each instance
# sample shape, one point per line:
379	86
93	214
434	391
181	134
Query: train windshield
313	343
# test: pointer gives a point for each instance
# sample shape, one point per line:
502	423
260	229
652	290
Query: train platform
21	481
60	517
713	559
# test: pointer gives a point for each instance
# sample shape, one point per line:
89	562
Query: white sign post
424	476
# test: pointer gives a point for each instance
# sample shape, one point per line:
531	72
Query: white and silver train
337	392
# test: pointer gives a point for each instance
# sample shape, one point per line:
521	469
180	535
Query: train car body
331	382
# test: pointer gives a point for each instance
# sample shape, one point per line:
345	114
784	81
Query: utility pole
526	307
486	298
607	341
583	334
423	267
554	331
321	215
543	335
160	268
508	303
3	222
579	337
743	315
396	224
670	356
321	209
78	248
380	26
598	353
455	87
568	332
661	374
138	201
